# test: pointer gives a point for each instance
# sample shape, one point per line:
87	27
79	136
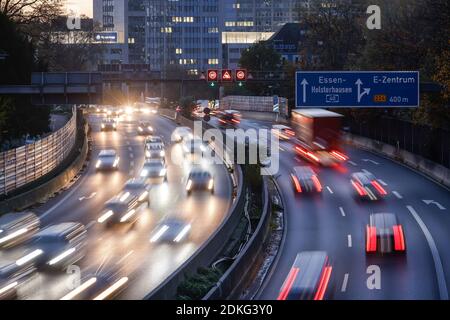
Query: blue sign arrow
365	89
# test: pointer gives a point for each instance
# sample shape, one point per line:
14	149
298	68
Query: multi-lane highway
128	249
335	222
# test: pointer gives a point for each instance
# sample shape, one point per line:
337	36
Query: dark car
367	186
305	179
308	278
200	180
145	128
16	228
384	234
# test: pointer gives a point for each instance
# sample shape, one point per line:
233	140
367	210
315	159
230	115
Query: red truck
319	136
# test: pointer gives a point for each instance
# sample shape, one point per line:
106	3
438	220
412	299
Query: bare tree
31	11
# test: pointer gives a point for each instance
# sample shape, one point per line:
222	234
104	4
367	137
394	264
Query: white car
182	133
154	168
107	160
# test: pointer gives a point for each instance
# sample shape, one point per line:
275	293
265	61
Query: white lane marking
329	190
342	211
366	171
371	161
63	200
91	224
132	164
93	194
382	182
398	195
130	149
353	163
434	252
281	149
437	204
349	240
344	283
131	155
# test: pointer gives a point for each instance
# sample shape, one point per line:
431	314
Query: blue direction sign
365	89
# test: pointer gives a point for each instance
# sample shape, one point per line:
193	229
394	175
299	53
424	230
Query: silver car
58	246
16	228
171	230
107	160
154	168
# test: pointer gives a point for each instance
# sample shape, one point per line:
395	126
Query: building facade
191	35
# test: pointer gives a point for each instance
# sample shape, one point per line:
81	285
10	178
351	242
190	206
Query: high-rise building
193	35
183	34
248	21
111	19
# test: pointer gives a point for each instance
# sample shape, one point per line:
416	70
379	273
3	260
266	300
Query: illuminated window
178	51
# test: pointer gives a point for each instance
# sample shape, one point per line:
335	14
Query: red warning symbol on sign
227	75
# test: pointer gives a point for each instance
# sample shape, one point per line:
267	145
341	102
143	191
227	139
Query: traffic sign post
364	89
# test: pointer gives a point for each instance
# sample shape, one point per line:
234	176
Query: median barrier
247	263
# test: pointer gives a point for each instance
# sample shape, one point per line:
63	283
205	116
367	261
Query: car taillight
288	284
359	188
323	284
379	187
339	155
290	132
399	238
317	183
371	239
297	185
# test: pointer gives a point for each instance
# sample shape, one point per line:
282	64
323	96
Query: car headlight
203	148
143	196
147	154
105	216
103	126
140	129
162	153
98	164
163	172
128	216
150	129
211	184
61	256
116	162
144	173
189	185
191	136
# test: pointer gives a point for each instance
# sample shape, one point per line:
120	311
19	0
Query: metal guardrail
23	165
